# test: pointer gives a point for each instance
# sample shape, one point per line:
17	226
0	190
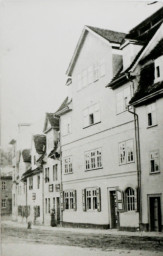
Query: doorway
155	213
113	209
58	210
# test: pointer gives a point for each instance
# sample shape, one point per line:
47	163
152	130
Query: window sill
68	173
126	163
91	125
148	127
94	169
153	173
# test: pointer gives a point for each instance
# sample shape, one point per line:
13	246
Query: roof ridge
106	29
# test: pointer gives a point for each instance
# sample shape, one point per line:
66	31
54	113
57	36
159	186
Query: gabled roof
31	172
12	142
155	53
53	120
26	154
40	143
64	107
109	36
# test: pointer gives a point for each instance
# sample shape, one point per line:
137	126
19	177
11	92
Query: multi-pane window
55	172
126	152
68	165
3	203
91	115
3	185
66	126
154	162
151	111
70	200
38	181
47	175
93	159
53	202
122	99
91	74
91	199
130	199
30	183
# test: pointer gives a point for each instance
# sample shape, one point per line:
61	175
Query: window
48	205
151	110
3	203
34	159
93	159
46	175
126	152
38	181
91	199
91	115
68	165
157	71
53	202
30	183
70	200
130	199
3	185
122	99
37	211
91	74
66	126
154	162
55	172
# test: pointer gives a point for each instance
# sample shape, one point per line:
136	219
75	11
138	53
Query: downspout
138	159
43	195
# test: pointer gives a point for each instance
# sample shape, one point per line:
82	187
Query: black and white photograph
81	128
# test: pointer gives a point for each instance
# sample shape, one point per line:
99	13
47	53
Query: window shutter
62	203
120	200
84	199
74	200
98	191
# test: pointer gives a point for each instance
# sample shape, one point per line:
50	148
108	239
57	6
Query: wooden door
113	209
155	214
58	210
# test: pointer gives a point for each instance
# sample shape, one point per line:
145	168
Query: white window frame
91	199
3	203
91	113
130	199
93	159
55	172
66	127
151	115
154	162
30	183
122	99
126	156
67	162
47	178
69	199
3	185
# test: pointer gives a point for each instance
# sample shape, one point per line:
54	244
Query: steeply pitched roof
40	143
64	107
26	154
155	53
110	35
12	142
31	172
53	120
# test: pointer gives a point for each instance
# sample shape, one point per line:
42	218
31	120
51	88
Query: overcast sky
38	38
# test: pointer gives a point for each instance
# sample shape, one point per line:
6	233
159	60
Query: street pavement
17	240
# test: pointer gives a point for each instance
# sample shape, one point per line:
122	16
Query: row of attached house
99	162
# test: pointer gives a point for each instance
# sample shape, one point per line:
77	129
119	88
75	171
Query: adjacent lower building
6	194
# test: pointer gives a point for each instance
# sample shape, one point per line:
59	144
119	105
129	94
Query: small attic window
158	71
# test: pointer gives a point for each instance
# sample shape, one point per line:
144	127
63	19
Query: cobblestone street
39	241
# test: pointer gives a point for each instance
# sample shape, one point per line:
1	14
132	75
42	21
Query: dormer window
158	69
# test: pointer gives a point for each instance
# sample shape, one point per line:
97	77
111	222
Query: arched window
130	199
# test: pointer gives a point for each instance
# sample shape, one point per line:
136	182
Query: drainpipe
61	191
43	199
138	159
